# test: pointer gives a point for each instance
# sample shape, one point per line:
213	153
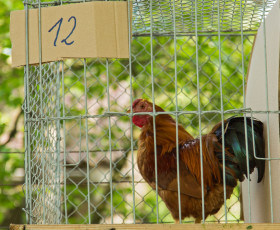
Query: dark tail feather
236	145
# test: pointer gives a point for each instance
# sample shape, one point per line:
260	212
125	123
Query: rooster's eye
142	106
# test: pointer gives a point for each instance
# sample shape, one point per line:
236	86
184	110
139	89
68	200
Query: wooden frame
147	227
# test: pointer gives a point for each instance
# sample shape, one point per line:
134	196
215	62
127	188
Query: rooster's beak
128	111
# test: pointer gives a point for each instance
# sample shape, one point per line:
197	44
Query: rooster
189	160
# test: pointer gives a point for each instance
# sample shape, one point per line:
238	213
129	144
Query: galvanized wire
176	104
131	109
199	115
222	112
26	124
245	120
206	19
154	109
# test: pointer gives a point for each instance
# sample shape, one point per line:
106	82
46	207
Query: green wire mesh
207	10
78	136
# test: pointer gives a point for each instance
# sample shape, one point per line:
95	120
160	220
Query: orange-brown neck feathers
166	133
165	125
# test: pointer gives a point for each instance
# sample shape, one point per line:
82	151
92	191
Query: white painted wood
256	100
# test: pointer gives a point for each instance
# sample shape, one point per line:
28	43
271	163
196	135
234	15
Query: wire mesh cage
189	57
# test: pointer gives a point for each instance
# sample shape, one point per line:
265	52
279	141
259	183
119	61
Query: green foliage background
11	98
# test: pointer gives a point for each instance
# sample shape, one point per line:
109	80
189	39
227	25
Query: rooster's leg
198	220
176	221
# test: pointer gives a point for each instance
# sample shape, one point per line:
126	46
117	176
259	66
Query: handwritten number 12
58	23
65	39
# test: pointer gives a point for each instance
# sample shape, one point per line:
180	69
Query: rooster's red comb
136	102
